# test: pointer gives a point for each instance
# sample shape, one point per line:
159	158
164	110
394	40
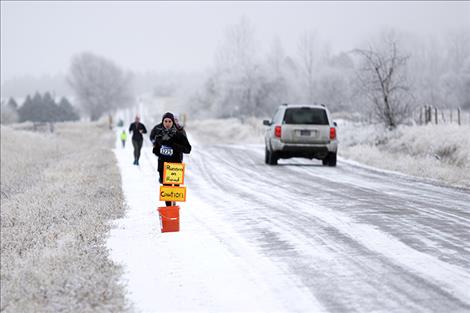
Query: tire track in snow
435	222
237	175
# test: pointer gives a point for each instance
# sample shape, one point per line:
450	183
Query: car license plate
304	132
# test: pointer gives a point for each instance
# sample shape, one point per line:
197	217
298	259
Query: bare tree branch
383	80
100	85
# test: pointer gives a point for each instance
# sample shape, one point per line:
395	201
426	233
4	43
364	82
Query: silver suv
301	130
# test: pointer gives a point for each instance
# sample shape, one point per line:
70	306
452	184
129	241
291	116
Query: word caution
172	193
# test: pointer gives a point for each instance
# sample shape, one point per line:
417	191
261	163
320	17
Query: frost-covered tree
237	68
333	89
307	50
100	85
9	112
465	86
456	79
332	82
275	58
277	87
426	65
382	75
236	86
439	67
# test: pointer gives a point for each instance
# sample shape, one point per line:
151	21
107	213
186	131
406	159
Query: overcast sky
40	38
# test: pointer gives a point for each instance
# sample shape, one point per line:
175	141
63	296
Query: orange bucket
169	218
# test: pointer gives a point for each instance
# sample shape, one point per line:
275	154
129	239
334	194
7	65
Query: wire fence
433	115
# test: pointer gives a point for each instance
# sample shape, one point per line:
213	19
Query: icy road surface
297	237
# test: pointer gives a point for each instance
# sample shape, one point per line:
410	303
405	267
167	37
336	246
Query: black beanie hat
168	115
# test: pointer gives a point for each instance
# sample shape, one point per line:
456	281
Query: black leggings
137	146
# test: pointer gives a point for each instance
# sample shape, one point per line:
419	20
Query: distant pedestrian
169	143
110	121
123	138
179	126
137	129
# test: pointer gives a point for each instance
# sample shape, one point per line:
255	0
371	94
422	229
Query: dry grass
59	192
440	152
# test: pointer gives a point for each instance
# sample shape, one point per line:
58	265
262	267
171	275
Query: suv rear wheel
330	159
270	157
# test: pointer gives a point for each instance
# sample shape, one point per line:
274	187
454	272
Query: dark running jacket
169	145
135	128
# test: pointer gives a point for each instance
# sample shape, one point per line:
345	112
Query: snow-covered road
297	237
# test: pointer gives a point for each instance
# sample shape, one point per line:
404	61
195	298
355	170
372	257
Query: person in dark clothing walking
137	129
169	143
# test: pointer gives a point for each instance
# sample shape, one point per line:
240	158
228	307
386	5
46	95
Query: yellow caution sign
173	173
172	193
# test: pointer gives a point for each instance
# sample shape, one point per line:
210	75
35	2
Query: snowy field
58	194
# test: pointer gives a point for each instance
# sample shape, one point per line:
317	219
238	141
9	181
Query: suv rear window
306	116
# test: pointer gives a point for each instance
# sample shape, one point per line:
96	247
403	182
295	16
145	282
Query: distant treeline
39	108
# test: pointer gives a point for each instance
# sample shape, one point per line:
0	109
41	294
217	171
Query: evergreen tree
26	110
12	104
66	111
49	109
45	109
36	114
37	98
28	101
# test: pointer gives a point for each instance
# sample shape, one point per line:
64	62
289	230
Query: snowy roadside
59	192
206	267
436	152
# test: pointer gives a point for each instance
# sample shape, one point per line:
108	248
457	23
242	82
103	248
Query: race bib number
165	150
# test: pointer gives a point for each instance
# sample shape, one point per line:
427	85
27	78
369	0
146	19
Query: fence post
451	116
458	116
435	114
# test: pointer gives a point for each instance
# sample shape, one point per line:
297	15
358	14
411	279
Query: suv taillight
277	131
332	133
